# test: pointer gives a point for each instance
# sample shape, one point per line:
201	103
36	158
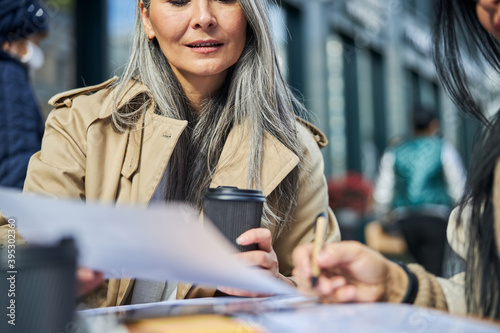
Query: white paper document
206	305
367	318
160	242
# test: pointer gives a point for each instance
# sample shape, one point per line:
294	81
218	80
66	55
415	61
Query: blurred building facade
364	65
359	66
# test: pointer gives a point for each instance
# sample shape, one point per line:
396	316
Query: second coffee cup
234	211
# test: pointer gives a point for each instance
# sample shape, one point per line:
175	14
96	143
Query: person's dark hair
482	275
458	33
422	117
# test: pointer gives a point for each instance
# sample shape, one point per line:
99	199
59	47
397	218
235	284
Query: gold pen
319	240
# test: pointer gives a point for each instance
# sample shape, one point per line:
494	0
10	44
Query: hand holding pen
348	271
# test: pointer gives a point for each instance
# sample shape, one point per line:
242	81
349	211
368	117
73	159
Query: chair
424	231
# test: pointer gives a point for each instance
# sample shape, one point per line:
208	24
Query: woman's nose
203	15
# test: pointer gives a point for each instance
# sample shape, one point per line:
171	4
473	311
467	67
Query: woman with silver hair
202	103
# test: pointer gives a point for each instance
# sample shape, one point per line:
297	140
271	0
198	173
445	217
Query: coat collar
277	160
130	90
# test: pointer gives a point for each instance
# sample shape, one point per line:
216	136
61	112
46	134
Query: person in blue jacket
22	129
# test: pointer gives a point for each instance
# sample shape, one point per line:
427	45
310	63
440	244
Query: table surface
290	314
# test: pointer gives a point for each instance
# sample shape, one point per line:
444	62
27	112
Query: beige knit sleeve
430	294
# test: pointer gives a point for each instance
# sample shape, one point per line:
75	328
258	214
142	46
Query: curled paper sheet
158	242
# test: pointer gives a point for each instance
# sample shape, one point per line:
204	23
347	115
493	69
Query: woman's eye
179	2
185	2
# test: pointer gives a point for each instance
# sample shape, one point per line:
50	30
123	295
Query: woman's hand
264	257
87	280
350	272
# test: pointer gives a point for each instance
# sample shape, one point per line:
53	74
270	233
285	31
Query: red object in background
352	191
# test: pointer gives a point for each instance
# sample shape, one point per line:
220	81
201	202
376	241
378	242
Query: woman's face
488	13
201	39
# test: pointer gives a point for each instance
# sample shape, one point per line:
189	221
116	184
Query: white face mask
34	57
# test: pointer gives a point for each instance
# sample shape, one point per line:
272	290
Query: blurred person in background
352	272
420	181
23	24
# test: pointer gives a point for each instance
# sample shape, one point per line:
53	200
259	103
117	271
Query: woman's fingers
260	236
239	292
87	280
345	294
327	285
262	259
265	257
340	254
301	257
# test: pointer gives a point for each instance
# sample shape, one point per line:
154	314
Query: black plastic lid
233	193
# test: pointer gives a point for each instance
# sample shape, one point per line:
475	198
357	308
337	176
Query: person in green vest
419	182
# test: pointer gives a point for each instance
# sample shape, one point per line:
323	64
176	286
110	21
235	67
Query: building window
120	28
336	105
280	35
58	71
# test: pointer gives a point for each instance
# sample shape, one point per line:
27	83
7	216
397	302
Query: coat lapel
277	161
159	140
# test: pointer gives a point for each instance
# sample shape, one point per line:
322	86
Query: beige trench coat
83	156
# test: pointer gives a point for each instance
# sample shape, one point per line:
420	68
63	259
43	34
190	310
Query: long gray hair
255	92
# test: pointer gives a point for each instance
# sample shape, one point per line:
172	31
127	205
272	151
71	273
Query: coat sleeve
312	200
59	168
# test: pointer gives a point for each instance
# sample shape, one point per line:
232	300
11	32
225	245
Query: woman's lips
205	46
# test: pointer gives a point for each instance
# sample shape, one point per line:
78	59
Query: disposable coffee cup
234	211
38	288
